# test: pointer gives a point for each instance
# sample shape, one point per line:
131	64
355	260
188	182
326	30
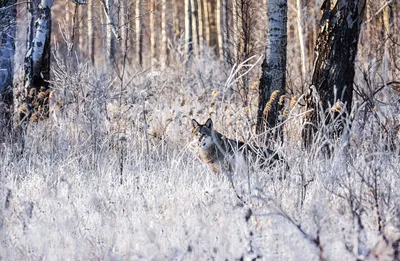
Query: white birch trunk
164	47
152	31
176	22
37	63
274	66
300	30
207	22
123	25
188	28
110	42
219	31
195	27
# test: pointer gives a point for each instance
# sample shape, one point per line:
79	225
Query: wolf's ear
209	123
195	124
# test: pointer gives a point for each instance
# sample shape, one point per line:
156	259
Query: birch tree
152	27
273	77
8	14
333	73
300	31
195	27
188	29
123	24
164	40
207	22
108	6
37	62
219	28
176	19
35	103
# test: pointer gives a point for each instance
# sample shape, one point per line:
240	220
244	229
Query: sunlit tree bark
164	40
300	31
218	22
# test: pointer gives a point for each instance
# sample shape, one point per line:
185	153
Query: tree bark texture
227	29
81	30
188	28
176	19
110	40
164	39
124	24
37	63
195	27
388	34
273	76
91	30
300	31
333	73
206	22
8	14
152	26
139	32
220	38
200	21
236	30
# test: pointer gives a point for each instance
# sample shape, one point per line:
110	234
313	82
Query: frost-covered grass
62	205
113	175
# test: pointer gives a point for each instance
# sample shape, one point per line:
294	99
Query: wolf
222	154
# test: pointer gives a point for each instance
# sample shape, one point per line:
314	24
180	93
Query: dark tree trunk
37	63
333	73
273	79
139	32
188	29
7	50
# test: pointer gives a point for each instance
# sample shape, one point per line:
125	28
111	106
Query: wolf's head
202	133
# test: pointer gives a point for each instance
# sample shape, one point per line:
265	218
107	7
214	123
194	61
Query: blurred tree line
113	34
